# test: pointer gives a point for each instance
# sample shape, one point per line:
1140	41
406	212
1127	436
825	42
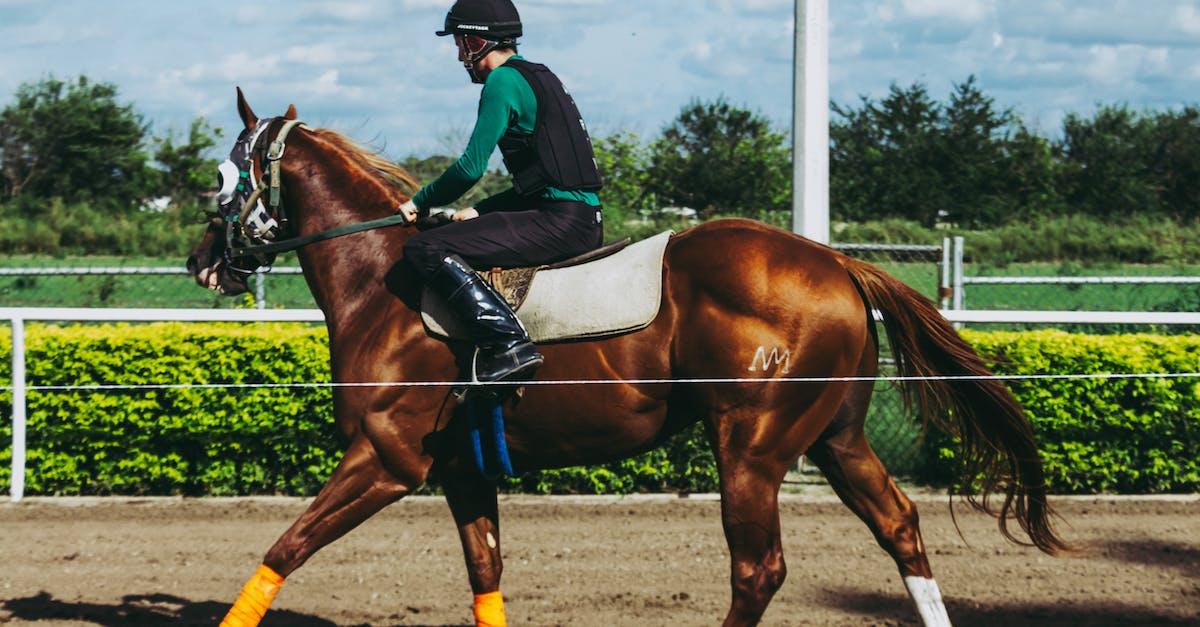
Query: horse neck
358	275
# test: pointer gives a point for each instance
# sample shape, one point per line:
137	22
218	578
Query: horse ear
291	113
248	117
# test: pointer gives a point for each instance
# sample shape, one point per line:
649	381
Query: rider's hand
409	210
465	214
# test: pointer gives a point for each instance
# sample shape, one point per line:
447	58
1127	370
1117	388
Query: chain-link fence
894	433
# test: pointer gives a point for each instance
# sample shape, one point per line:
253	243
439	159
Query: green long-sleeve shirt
506	102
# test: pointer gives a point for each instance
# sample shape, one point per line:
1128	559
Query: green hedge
1112	436
1104	435
189	441
221	441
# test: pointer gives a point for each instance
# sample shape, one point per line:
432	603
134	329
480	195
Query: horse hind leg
865	486
750	517
754	447
747	445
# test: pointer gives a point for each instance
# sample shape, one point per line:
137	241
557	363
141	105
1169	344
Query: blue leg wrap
494	440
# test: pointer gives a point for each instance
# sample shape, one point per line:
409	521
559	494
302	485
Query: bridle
251	227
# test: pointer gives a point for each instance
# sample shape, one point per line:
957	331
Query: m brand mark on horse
777	357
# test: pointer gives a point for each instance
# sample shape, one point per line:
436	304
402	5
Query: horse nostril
193	265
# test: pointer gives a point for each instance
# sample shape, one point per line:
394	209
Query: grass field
290	291
284	291
1146	297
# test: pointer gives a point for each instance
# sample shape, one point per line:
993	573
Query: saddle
513	283
613	289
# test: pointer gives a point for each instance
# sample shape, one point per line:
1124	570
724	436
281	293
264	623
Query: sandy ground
584	562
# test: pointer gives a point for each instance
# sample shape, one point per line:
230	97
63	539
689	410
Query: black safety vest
559	152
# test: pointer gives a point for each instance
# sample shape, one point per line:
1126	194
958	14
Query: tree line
79	167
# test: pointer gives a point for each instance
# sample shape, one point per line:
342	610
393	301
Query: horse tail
995	438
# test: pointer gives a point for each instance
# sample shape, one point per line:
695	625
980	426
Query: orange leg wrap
489	610
255	598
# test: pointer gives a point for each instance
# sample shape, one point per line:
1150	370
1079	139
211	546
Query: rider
551	212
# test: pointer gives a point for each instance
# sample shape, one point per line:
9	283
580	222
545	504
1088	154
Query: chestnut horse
732	290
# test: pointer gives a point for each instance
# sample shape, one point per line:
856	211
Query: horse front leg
472	501
359	487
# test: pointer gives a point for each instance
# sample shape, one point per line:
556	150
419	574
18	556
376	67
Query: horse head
251	222
240	218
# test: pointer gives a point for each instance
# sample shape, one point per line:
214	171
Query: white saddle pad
619	293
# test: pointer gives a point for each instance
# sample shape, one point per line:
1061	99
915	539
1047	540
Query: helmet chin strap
472	50
477	77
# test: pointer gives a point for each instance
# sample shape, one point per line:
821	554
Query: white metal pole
17	485
945	291
810	121
960	297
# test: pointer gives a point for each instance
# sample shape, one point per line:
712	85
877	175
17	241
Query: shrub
1139	435
176	441
1097	435
221	441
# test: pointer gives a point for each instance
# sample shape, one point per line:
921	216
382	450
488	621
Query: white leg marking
928	598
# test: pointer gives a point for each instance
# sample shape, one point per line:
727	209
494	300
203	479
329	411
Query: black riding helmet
479	27
495	20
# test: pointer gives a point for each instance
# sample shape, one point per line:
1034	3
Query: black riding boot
505	350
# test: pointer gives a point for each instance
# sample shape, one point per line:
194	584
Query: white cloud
966	11
756	6
1187	19
349	11
327	84
326	54
1125	63
419	5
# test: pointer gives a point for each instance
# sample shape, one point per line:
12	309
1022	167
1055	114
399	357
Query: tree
624	164
73	141
1176	164
883	156
1107	162
426	169
188	173
966	162
993	168
716	157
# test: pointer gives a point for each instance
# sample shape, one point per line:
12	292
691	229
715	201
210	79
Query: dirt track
627	562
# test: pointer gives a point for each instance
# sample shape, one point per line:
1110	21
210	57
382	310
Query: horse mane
371	160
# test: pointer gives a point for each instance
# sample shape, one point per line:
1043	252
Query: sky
374	69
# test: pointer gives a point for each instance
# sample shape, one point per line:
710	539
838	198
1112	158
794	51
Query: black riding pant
549	232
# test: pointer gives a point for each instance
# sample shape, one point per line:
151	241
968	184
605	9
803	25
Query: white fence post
260	290
945	287
17	485
960	297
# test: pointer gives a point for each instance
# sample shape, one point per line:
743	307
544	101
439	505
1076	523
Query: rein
299	242
274	200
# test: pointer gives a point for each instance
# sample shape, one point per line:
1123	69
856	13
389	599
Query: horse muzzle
216	277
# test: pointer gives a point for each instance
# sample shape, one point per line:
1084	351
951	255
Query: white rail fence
18	316
955	279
